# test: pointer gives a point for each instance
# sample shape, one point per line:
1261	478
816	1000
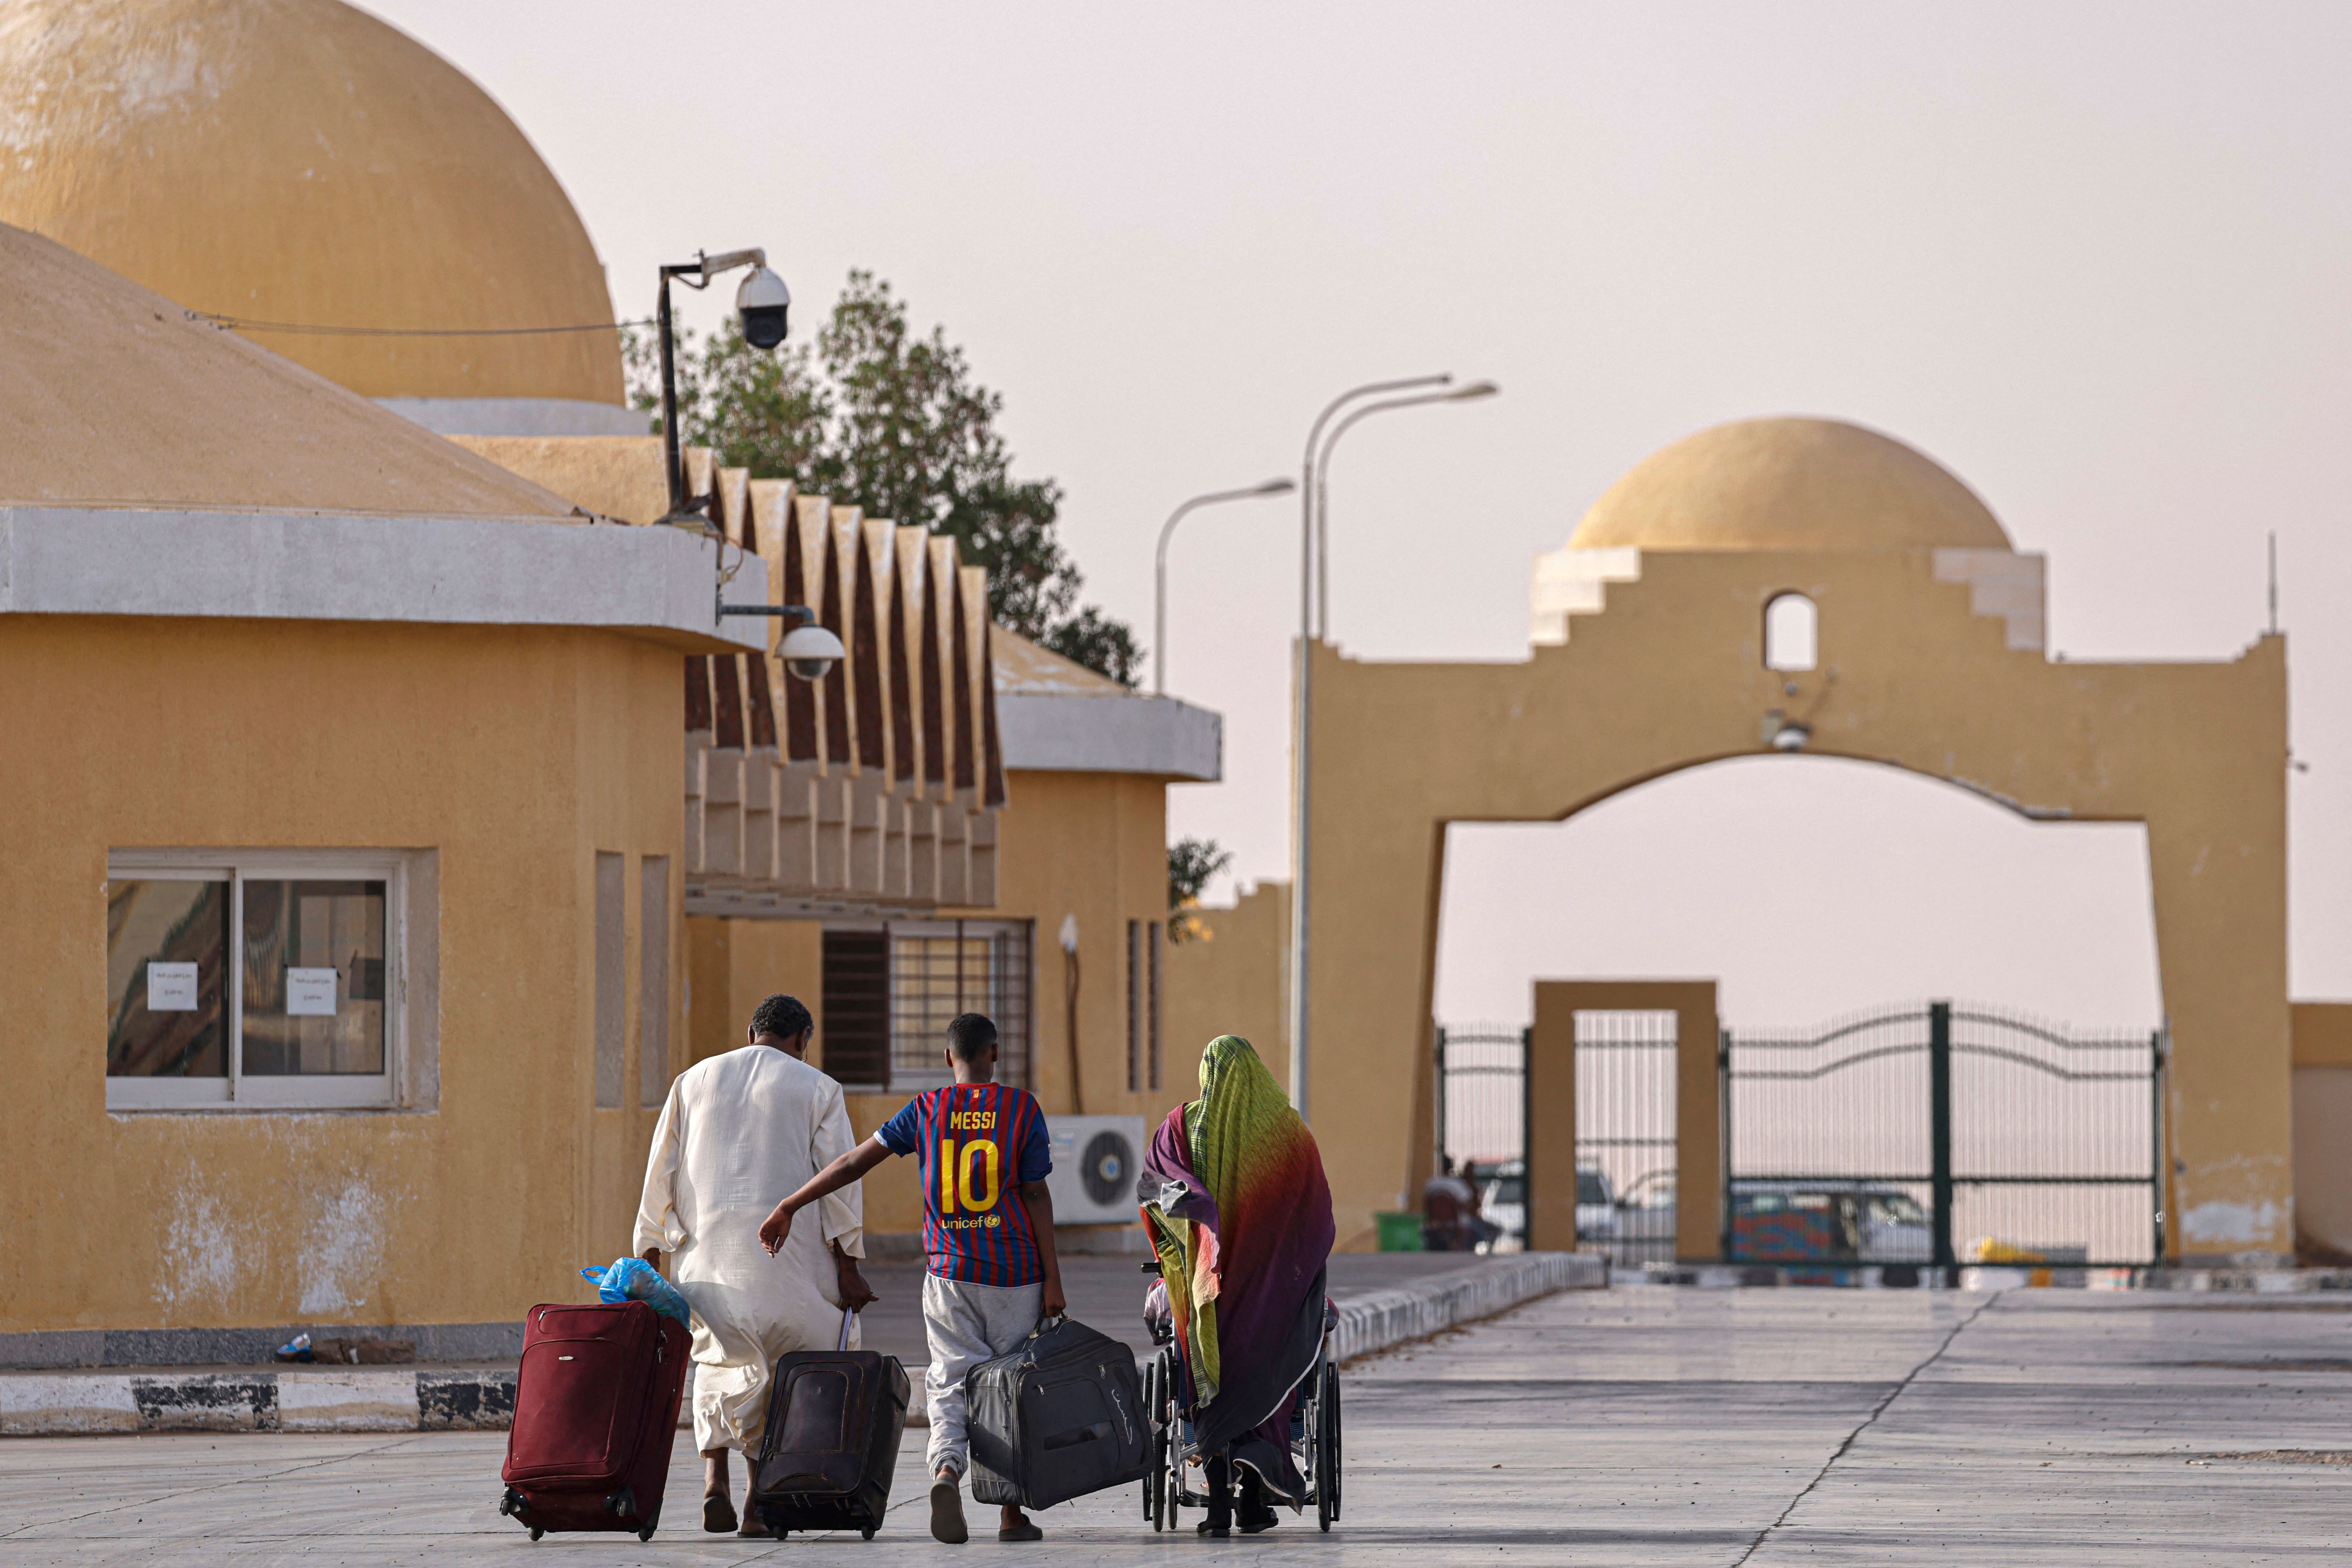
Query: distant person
1240	1212
988	1233
738	1132
1449	1210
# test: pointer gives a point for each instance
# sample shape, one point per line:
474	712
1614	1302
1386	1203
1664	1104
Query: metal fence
1939	1133
1482	1118
1626	1145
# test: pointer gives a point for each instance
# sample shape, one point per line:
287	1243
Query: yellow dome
1789	484
297	161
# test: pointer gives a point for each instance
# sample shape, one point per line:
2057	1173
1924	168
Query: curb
1379	1319
481	1399
63	1404
1995	1276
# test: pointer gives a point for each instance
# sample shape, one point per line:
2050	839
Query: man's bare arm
849	1168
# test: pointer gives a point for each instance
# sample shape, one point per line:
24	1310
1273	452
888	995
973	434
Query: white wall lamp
1070	1003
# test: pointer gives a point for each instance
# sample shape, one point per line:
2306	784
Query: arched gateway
1927	654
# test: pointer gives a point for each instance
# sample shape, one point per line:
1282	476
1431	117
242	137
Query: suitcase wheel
646	1533
622	1502
536	1532
867	1531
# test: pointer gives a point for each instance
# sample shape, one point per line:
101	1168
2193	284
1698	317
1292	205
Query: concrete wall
1669	675
515	756
2323	1131
1234	978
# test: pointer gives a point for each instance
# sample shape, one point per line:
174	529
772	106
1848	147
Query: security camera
809	651
762	302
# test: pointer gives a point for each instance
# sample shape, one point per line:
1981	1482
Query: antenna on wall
2274	582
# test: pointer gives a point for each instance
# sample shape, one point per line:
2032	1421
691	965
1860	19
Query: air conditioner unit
1096	1159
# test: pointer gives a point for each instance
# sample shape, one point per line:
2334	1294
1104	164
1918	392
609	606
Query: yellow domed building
344	701
349	198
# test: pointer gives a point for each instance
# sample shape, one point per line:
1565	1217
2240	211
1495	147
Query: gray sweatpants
967	1324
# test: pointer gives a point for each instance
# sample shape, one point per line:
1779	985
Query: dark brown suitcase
831	1441
596	1418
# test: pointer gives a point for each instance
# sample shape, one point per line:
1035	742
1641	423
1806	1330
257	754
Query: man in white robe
739	1134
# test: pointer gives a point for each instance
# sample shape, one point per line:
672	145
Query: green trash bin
1399	1232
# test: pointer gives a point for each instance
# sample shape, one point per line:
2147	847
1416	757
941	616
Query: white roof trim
1155	735
74	560
518	416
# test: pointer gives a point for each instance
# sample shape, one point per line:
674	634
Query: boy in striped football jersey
988	1231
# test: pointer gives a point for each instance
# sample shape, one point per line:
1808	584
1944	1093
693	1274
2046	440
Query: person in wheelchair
1234	1196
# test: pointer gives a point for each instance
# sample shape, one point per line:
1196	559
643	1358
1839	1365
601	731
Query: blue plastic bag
634	1279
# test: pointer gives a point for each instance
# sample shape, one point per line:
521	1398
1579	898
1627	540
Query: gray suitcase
1060	1416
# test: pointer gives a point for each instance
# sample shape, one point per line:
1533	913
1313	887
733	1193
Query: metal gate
1625	1143
1929	1135
1482	1119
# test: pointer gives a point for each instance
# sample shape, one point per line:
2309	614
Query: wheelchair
1176	1475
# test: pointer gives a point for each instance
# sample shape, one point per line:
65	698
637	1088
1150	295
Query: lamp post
1470	394
1159	570
1310	630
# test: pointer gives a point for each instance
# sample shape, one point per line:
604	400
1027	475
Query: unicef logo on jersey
994	1220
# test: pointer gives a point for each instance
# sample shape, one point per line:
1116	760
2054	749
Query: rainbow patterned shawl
1239	1212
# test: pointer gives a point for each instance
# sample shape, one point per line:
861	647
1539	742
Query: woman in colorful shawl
1240	1213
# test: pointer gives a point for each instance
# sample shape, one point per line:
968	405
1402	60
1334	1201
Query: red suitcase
596	1417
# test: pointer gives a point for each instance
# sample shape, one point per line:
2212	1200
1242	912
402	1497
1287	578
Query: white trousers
967	1324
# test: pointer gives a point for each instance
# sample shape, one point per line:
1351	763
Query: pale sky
2094	259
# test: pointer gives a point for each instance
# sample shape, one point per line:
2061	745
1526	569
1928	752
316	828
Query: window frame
1017	969
275	1091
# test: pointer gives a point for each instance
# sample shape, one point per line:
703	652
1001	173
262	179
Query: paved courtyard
1624	1426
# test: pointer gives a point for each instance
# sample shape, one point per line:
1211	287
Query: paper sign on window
311	993
172	987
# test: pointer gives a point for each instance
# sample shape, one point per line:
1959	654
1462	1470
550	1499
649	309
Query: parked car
1596	1206
1825	1222
1604	1219
1645	1219
1503	1202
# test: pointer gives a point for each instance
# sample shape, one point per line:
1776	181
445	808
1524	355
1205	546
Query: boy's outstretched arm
1039	1200
849	1168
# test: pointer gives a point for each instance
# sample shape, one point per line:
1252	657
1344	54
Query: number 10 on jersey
969	1176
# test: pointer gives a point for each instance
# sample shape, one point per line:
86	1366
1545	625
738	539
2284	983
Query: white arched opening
1810	887
1791	633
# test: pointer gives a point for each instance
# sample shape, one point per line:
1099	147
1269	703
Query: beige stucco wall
1670	675
1233	979
515	754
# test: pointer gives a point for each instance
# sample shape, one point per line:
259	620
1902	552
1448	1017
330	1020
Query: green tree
877	417
1192	862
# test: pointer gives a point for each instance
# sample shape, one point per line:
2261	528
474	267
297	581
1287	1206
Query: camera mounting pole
690	512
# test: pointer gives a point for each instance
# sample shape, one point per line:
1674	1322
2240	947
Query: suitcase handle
848	1316
1050	1320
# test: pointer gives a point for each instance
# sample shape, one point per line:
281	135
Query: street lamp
762	303
1159	570
1318	452
1470	394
